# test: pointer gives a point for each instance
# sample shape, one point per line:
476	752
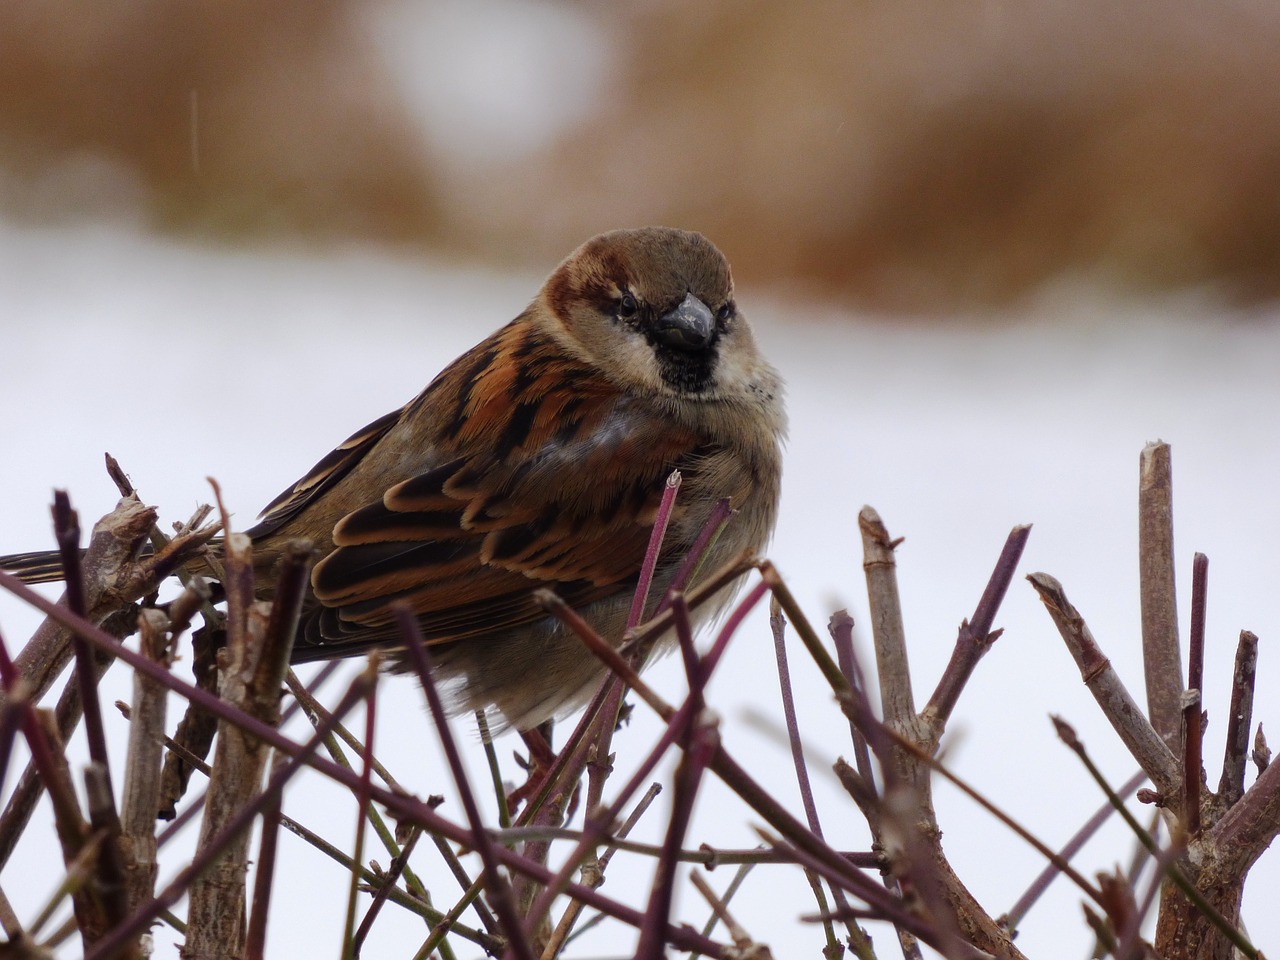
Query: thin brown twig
236	826
892	663
1139	736
66	527
1161	655
614	842
1192	728
408	808
840	627
1239	720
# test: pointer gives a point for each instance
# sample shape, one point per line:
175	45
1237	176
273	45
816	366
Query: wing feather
538	474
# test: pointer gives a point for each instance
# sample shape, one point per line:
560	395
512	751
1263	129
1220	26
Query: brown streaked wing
329	470
565	502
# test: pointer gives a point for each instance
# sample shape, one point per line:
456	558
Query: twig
703	739
66	527
615	842
112	582
1163	861
742	942
238	825
259	638
1239	720
1161	655
383	891
496	883
720	516
350	947
260	906
1139	736
30	787
840	627
778	626
142	768
1068	736
804	630
1068	850
108	871
406	807
315	711
401	898
598	820
893	667
656	535
975	636
885	906
1192	728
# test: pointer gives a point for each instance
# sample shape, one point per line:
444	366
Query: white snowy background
186	359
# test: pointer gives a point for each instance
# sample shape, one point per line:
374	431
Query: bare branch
886	621
1192	728
1161	653
975	637
141	799
1239	720
1124	715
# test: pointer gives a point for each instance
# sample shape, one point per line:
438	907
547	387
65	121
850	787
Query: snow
186	361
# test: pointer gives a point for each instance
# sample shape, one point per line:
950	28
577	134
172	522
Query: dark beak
688	327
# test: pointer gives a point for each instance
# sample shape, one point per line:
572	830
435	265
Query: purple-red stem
975	637
256	937
684	635
196	803
597	823
701	742
499	889
407	807
655	547
720	515
177	888
778	624
841	628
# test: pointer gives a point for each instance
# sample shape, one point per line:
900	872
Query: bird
538	459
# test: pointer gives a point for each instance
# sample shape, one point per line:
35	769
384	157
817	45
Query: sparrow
538	459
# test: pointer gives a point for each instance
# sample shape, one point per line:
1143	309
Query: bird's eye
725	313
627	306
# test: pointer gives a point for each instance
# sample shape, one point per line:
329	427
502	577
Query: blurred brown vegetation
910	155
232	116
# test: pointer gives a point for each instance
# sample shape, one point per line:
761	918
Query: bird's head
653	309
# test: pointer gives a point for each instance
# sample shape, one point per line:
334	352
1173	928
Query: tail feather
44	566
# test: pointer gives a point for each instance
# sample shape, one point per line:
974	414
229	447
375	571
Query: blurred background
994	249
908	155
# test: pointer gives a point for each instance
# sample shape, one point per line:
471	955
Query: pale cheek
633	362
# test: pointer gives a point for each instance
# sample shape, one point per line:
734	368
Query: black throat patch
684	371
